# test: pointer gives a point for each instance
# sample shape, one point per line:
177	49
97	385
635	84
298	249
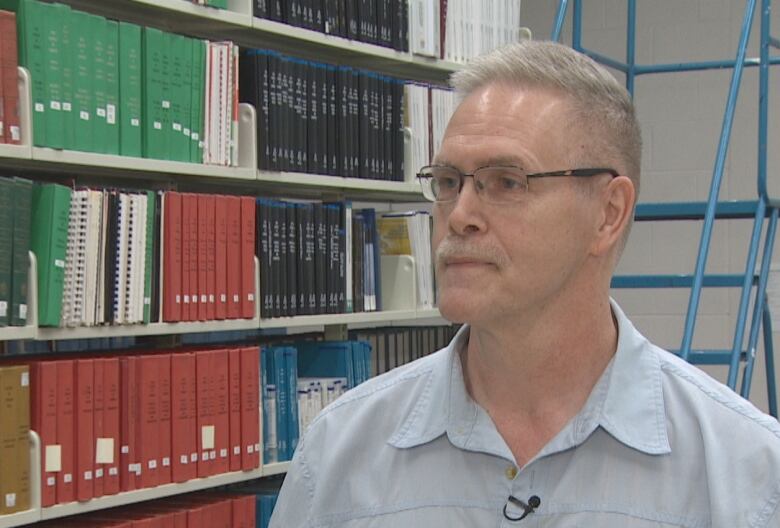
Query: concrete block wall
681	116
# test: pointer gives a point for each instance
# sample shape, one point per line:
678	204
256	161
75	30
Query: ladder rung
677	281
694	210
710	357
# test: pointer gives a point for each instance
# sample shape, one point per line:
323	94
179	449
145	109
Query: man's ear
617	206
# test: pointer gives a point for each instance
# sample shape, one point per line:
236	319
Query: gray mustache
455	248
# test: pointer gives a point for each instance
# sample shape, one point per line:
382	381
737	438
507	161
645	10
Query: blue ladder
763	210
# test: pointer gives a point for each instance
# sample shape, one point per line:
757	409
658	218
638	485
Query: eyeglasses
495	185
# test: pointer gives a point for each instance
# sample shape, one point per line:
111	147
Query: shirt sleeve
293	507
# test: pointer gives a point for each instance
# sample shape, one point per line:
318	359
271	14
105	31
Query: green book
49	242
130	132
83	92
112	86
53	62
166	93
22	210
198	99
31	24
6	243
64	16
151	196
186	99
99	27
155	144
178	142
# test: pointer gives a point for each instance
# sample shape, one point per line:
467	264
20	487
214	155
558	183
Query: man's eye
510	183
447	183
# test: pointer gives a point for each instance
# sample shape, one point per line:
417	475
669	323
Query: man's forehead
481	161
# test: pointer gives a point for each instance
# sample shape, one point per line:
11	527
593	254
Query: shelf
389	318
20	519
347	187
21	152
95	332
14	333
277	468
131	497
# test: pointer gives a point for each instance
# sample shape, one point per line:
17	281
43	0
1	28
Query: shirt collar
627	402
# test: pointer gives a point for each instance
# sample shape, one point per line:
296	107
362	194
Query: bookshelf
238	24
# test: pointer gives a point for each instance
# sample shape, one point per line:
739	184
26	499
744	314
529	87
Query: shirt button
511	472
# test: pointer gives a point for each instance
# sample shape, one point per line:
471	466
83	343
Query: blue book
282	402
268	391
291	365
327	359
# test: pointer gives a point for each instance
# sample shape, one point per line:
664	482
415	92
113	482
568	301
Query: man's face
499	261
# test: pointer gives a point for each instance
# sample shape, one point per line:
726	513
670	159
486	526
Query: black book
388	154
356	131
274	130
357	262
342	239
312	119
157	234
404	24
288	125
376	127
329	17
277	10
364	126
350	15
310	259
292	259
261	9
276	258
332	215
300	263
344	143
397	89
281	209
321	258
332	121
304	110
264	254
324	117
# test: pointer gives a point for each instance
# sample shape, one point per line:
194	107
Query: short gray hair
602	107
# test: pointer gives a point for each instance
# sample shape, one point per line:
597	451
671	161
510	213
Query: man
548	408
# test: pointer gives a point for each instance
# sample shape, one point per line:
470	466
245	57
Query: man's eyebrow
484	162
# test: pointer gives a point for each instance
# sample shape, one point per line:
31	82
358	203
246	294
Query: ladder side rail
758	307
763	98
769	361
717	177
631	47
576	26
560	18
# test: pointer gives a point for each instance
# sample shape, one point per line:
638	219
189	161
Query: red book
66	436
205	432
248	257
211	257
192	205
250	412
186	260
129	469
234	257
184	456
234	367
203	252
43	417
244	511
221	372
97	424
164	409
220	248
148	427
111	425
84	426
172	257
12	132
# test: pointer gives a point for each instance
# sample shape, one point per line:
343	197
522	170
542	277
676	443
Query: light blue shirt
657	444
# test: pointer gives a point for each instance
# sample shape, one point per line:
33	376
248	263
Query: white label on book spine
53	458
213	455
183	459
157	125
22	311
104	451
166	104
67	478
88	475
236	298
193	457
250	449
195	136
204	298
10	500
111	114
147	301
16	133
152	464
207	437
177	127
55	105
98	473
125	449
166	461
84	116
101	112
223	298
39	107
223	453
187	132
186	299
113	471
178	299
59	263
211	297
51	481
3	308
67	107
25	379
236	450
135	122
194	299
251	296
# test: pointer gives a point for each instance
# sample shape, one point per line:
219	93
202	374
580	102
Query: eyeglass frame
579	173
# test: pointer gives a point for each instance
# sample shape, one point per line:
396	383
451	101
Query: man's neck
534	375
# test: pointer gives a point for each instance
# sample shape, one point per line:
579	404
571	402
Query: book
14	442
